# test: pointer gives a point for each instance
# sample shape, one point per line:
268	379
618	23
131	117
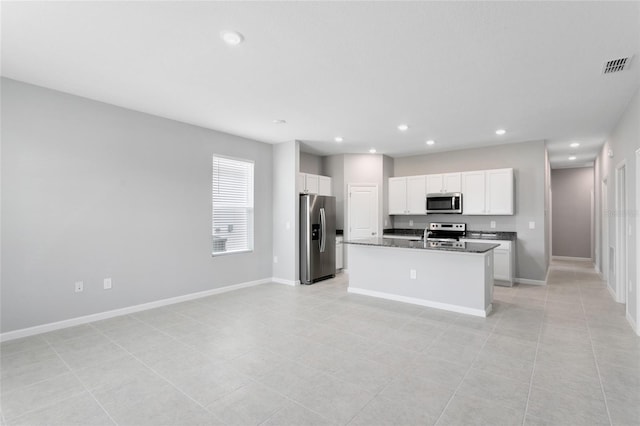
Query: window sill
227	253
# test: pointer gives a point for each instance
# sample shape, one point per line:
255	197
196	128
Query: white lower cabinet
503	260
339	252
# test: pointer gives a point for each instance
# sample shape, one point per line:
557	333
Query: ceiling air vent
616	65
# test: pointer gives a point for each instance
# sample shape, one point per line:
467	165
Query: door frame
621	254
604	229
637	319
349	187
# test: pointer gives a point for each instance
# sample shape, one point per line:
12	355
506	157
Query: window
232	224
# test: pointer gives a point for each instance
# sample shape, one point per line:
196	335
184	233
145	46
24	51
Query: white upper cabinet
407	195
447	182
324	185
452	182
314	184
398	195
416	195
473	193
487	192
311	183
500	191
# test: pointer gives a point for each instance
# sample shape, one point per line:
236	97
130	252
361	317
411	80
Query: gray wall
310	163
571	190
624	141
285	211
528	161
91	190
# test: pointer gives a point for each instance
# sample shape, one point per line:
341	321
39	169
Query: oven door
444	203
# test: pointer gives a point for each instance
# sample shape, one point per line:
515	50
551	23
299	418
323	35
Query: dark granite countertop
476	235
460	247
491	235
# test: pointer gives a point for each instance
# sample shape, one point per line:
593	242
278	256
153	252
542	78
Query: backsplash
478	223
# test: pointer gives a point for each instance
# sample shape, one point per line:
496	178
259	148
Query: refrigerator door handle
323	230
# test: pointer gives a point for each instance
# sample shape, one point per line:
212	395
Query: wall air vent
616	65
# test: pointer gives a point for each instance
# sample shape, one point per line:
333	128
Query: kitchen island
456	276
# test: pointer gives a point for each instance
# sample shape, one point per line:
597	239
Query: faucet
426	234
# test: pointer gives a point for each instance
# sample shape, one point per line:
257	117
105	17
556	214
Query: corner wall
91	190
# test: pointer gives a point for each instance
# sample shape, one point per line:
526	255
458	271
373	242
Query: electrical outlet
107	283
79	286
532	225
412	274
493	224
275	259
410	222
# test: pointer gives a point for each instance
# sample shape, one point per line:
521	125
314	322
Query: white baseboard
286	282
44	328
633	324
422	302
580	259
530	282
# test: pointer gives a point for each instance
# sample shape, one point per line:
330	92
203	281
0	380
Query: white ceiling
454	71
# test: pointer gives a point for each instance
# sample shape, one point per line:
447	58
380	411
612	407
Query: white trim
634	326
44	328
292	283
422	302
531	282
581	259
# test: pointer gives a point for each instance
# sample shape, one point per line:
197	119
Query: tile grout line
82	383
402	369
535	357
595	359
466	372
155	372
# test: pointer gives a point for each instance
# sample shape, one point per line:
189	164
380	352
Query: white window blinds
232	205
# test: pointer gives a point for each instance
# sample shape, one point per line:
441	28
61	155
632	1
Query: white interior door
362	210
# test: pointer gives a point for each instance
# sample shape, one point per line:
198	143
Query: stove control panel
455	227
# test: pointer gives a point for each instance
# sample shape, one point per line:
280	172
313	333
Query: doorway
362	211
621	233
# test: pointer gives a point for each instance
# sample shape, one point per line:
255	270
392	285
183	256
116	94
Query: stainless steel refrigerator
317	238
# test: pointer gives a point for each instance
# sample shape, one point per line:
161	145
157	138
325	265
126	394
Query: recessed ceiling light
372	150
339	139
403	127
573	157
575	145
430	142
232	38
279	121
501	132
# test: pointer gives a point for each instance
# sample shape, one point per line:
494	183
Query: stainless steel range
444	232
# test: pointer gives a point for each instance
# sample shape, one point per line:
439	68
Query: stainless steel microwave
450	202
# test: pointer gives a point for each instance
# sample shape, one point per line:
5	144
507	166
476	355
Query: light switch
412	274
532	225
287	225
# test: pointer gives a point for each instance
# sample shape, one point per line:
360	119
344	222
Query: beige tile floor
561	354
